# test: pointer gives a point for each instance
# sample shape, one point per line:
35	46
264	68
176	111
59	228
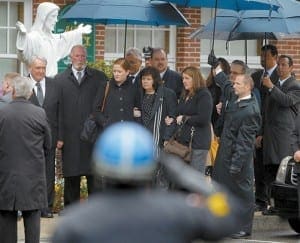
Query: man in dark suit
25	139
282	104
268	58
51	103
79	85
135	58
171	79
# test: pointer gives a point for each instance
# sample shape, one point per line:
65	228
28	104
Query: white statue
40	41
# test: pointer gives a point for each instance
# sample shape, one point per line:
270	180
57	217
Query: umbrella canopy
139	12
253	24
236	5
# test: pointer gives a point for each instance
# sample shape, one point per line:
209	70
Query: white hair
22	87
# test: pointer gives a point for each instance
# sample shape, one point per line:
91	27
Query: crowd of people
253	115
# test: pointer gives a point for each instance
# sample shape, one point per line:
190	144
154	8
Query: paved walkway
47	228
261	223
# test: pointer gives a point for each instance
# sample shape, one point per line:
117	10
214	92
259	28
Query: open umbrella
253	24
139	12
236	5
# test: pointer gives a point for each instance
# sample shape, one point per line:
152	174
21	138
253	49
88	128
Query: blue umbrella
253	24
139	12
236	5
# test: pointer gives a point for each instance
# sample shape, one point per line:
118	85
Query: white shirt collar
42	83
244	98
282	81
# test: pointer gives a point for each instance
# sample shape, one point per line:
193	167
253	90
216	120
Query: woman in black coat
158	106
158	113
121	99
195	109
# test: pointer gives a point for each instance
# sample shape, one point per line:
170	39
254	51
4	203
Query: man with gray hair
7	88
135	58
48	95
25	139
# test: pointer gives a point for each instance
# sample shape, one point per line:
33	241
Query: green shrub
103	66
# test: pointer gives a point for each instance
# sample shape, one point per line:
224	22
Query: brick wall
290	47
188	51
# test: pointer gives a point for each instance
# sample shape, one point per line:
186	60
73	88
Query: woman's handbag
176	148
91	130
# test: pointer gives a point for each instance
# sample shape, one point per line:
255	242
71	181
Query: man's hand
258	142
266	81
219	107
212	60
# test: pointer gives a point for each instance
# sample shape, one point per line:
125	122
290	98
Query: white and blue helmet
125	152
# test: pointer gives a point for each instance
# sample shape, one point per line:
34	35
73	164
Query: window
10	12
139	36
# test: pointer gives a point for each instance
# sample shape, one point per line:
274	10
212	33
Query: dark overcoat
25	138
166	98
282	107
241	123
77	103
173	80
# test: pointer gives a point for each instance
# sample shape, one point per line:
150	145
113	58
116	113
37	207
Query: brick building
182	51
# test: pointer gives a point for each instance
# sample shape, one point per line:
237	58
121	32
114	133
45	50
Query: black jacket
167	98
282	105
197	111
119	103
173	80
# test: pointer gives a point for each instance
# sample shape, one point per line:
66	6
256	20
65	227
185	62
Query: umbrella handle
215	20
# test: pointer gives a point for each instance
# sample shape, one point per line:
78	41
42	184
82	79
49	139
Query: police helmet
125	152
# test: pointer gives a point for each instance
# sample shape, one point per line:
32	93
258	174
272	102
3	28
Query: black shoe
46	214
259	208
269	211
208	170
240	235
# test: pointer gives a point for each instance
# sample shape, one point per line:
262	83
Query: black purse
91	129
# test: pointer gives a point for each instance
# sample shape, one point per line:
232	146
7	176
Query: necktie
79	76
39	93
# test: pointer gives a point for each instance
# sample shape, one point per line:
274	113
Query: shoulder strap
105	95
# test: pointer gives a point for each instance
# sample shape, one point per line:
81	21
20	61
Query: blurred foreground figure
128	212
25	140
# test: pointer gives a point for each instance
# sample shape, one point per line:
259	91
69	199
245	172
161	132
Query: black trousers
50	177
259	170
72	188
270	172
8	226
